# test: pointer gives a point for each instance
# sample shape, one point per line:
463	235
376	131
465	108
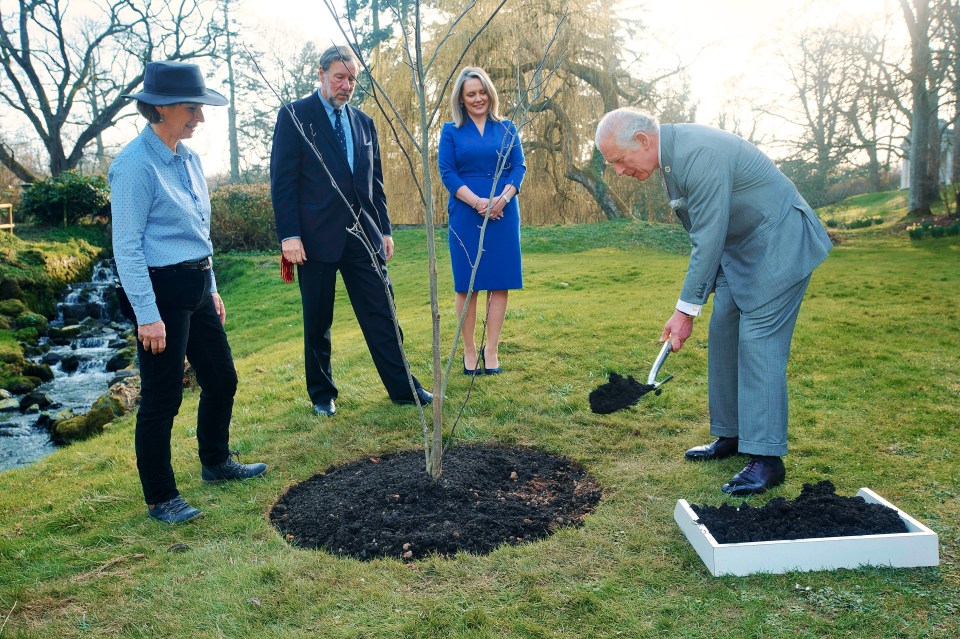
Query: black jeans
193	330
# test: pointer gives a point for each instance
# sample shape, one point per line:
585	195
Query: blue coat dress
466	157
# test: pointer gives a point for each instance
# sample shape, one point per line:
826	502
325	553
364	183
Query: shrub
66	198
242	218
864	222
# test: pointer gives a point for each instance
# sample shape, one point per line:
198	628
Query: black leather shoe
229	470
720	448
757	477
467	371
426	397
326	408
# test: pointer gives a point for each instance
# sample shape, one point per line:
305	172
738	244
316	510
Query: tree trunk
598	189
232	109
918	22
955	166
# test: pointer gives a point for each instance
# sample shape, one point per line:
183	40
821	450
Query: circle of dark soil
618	393
817	512
389	507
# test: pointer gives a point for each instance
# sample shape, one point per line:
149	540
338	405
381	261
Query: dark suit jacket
742	213
305	204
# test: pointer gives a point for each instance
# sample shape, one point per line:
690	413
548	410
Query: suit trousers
747	368
372	308
193	331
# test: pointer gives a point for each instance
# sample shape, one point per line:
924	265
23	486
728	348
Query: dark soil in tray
618	393
389	506
817	512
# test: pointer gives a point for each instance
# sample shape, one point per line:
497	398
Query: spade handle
661	358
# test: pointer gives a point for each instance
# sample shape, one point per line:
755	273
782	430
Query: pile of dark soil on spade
616	394
389	506
817	512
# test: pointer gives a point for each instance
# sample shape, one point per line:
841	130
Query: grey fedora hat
172	82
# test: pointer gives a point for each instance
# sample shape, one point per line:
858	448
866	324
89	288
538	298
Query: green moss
31	320
109	403
13	308
20	384
27	335
40	371
10	350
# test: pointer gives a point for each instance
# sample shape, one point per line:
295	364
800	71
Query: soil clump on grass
618	393
817	512
389	506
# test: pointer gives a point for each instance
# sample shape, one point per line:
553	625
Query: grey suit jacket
744	216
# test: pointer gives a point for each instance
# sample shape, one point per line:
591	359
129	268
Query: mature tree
229	56
292	73
952	63
872	111
820	69
591	75
923	183
64	76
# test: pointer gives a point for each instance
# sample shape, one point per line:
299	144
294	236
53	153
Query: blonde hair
458	111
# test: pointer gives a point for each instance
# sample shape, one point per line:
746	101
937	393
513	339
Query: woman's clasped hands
492	208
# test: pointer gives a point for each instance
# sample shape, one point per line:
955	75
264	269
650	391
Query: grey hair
341	52
624	124
458	111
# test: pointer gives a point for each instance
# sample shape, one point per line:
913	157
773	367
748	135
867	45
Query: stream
78	359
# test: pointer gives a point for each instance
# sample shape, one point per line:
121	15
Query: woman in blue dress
474	148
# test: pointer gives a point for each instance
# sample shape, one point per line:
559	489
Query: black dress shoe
326	408
720	448
756	478
467	371
425	396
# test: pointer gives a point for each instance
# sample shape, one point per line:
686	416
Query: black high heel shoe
467	371
489	371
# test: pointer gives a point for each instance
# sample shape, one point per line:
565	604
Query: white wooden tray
919	547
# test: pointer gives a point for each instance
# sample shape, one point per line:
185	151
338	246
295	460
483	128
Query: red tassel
286	270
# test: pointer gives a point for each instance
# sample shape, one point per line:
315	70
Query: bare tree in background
820	69
952	62
64	77
923	184
229	55
875	108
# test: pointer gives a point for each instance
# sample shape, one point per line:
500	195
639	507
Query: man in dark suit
755	244
313	221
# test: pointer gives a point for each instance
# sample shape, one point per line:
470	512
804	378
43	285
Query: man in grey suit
755	243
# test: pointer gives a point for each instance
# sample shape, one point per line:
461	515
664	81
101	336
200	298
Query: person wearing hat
162	248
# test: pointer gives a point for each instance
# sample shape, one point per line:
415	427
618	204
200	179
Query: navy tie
338	129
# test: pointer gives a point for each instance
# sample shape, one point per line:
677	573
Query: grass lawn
875	401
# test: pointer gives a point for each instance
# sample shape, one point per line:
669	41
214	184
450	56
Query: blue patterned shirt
161	215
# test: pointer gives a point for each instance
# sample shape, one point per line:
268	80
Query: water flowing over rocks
83	364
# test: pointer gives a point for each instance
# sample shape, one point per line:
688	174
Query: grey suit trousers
747	368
